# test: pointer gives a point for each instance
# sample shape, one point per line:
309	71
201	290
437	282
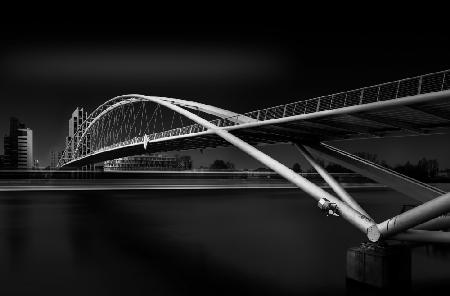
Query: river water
189	242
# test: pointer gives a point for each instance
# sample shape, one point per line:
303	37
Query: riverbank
170	184
147	184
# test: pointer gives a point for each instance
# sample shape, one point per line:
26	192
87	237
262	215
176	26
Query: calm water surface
188	242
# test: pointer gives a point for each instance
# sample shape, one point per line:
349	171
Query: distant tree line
424	170
220	164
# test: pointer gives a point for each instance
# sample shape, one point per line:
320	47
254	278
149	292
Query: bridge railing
427	83
386	91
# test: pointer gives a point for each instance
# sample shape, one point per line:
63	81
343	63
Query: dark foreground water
188	242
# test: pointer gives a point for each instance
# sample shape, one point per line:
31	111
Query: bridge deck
420	117
408	107
423	118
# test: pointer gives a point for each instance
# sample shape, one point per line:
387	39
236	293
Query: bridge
417	106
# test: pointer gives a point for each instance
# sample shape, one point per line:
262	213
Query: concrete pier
380	265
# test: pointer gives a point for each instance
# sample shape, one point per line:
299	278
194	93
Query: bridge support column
379	266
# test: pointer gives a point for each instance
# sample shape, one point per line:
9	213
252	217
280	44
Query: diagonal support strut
337	188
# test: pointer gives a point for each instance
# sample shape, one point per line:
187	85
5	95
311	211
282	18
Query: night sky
47	70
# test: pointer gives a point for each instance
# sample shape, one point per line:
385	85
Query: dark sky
47	70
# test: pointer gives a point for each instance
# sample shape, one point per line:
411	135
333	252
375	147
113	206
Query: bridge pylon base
379	265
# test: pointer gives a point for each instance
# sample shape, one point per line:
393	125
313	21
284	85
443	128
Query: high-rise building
76	121
18	146
73	146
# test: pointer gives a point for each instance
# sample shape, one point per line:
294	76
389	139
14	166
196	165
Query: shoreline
218	185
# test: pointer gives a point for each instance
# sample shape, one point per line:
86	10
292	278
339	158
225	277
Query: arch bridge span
418	106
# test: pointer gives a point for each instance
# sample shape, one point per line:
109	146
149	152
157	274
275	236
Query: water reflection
100	226
15	229
160	242
354	288
81	223
438	251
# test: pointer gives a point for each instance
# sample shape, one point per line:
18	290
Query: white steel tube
439	223
337	188
356	218
415	216
424	236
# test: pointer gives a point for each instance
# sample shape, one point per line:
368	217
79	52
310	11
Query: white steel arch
362	222
164	101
